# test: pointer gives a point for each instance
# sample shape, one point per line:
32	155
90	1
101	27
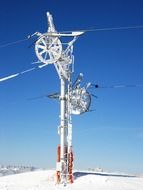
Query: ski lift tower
51	50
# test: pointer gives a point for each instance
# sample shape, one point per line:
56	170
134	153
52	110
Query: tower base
69	174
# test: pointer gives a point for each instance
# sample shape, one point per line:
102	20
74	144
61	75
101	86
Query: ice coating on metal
50	50
80	101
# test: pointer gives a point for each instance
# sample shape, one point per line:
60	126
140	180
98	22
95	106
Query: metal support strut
63	131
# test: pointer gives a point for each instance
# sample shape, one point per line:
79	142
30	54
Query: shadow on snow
80	174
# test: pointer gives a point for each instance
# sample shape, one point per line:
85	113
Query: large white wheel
80	101
48	49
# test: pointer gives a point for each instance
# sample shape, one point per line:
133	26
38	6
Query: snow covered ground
45	180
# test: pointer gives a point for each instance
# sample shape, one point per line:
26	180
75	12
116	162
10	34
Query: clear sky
112	136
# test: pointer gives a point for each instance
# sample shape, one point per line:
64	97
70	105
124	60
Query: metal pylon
50	50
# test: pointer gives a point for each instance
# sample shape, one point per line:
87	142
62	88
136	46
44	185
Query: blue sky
112	136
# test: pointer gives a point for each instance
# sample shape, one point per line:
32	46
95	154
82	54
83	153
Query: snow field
45	180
